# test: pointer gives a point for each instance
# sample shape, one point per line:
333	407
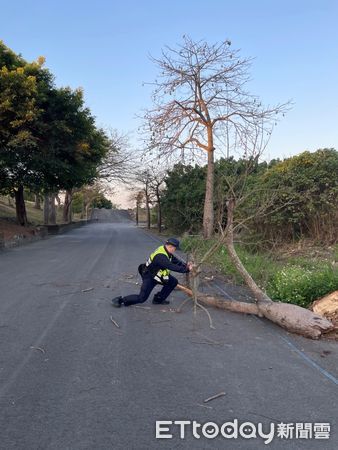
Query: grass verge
292	279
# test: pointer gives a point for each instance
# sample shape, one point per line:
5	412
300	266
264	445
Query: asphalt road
71	379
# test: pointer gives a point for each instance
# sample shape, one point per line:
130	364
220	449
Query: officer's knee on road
174	282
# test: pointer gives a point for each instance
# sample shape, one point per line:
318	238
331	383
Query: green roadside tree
21	89
89	197
72	145
182	199
307	186
48	138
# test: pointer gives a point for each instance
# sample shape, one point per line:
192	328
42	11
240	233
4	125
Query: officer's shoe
117	301
157	301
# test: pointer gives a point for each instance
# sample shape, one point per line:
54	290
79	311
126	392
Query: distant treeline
279	201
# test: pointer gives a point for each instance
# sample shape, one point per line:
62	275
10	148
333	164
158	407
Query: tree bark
46	209
67	213
148	212
159	210
208	214
229	241
136	217
83	209
37	201
58	200
52	210
87	208
21	215
291	317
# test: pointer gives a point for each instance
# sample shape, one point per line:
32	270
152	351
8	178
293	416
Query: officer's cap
173	241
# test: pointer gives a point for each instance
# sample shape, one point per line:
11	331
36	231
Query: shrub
301	286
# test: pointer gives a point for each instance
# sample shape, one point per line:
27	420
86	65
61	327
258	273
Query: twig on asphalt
192	293
128	281
204	406
87	290
141	307
179	309
209	339
38	348
208	314
63	295
129	276
206	343
114	322
214	397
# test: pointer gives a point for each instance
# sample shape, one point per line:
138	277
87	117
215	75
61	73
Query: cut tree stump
328	307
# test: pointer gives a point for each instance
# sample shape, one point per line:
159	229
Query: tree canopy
280	200
48	137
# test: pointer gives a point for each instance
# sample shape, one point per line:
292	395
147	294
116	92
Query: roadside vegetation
7	212
290	247
283	274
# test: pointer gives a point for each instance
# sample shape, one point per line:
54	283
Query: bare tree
200	100
138	198
147	190
121	162
156	186
143	183
118	166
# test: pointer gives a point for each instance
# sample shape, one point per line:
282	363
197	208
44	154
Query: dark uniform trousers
148	285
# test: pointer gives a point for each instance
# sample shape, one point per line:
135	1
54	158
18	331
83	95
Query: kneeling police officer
157	271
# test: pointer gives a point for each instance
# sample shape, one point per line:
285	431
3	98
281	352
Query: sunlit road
71	379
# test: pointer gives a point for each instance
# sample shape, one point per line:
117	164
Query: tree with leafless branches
138	197
121	162
157	182
147	188
200	103
142	187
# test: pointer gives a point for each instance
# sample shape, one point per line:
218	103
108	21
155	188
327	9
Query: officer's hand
190	265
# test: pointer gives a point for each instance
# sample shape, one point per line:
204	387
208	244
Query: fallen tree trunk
291	317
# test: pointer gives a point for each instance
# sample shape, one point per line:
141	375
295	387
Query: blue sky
104	47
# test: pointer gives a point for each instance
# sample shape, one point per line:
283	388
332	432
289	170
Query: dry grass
8	226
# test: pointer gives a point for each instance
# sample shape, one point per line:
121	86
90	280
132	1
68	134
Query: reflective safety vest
162	275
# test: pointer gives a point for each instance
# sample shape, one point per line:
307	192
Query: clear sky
103	46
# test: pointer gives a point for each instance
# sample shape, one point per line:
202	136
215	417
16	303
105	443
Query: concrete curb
64	227
42	232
